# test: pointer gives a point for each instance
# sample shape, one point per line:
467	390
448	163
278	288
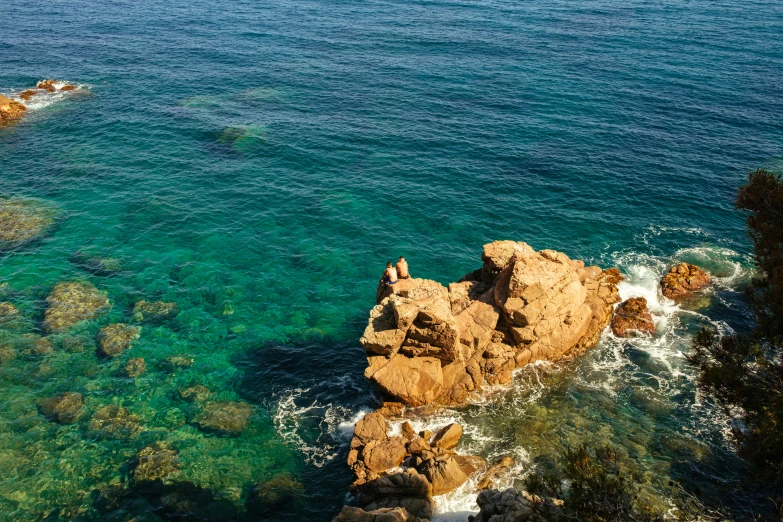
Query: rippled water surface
257	163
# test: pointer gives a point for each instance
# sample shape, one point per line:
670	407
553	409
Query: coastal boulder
444	473
381	455
632	318
116	338
71	302
497	255
448	437
355	514
224	417
65	408
413	381
505	506
682	280
407	489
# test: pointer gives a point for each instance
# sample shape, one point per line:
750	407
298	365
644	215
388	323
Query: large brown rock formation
430	344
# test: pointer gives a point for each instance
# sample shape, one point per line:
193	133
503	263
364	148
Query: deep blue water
258	163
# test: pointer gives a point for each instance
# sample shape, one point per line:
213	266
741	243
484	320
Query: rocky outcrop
407	471
682	280
116	338
23	220
224	417
72	302
632	318
65	408
426	343
12	110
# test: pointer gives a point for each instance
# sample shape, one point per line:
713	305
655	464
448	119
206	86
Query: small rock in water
197	393
488	478
71	302
632	318
407	431
116	338
135	367
154	311
114	422
224	417
682	280
65	408
155	462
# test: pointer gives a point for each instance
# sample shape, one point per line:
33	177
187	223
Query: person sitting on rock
402	269
390	274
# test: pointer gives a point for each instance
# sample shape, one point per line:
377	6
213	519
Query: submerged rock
175	362
8	312
682	280
488	478
154	311
224	417
96	264
116	338
23	220
632	318
155	462
428	344
197	393
135	367
114	422
65	408
280	492
71	302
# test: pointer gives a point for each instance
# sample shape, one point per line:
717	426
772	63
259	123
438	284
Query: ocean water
257	163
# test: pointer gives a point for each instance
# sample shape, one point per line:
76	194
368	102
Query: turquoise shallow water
257	163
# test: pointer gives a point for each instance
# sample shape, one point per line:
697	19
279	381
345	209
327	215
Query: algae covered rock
114	422
71	302
632	318
23	220
8	312
154	311
197	393
116	338
135	367
96	264
682	280
155	462
65	408
224	417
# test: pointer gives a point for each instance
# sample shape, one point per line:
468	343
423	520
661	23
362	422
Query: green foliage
592	485
745	372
